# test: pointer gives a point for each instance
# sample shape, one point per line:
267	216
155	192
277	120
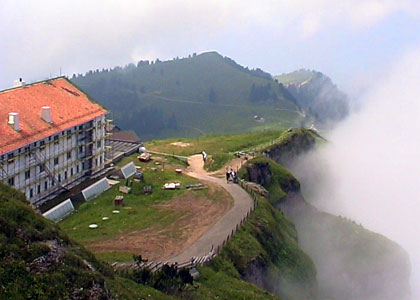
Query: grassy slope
26	236
181	88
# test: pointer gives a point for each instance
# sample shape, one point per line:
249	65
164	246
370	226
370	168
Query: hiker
235	177
227	176
204	154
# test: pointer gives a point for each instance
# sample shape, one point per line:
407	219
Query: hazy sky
349	40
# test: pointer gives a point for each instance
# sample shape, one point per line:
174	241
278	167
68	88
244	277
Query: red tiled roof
69	107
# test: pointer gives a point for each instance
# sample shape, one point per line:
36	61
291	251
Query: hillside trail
214	237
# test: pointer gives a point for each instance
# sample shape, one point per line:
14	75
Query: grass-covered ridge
221	148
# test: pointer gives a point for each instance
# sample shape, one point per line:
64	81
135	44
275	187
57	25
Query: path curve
214	237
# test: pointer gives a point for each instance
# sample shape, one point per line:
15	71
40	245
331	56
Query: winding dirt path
242	203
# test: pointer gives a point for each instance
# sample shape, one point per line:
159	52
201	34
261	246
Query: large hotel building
51	137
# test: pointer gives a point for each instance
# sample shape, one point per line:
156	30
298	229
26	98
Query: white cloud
371	168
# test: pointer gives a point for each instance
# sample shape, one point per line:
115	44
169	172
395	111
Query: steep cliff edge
293	143
265	251
352	262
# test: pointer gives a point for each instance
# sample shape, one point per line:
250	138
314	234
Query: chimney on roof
19	83
46	114
14	120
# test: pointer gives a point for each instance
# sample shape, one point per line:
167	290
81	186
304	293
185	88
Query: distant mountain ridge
316	94
199	94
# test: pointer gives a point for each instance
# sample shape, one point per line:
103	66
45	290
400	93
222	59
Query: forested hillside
200	94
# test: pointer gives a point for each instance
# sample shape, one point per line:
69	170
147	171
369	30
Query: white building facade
67	146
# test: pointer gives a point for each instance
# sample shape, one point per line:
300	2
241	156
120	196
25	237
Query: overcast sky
352	41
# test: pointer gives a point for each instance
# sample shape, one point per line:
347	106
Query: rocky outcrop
259	173
294	143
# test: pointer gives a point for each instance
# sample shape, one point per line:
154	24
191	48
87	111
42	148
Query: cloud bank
370	171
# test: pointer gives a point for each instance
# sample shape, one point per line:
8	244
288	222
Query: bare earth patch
181	144
197	213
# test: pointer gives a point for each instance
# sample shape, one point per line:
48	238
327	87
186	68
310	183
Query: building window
41	168
10	158
77	169
56	161
98	144
80	127
11	181
65	175
81	149
59	177
38	189
42	145
100	160
27	174
31	193
56	141
45	185
69	155
53	182
71	172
